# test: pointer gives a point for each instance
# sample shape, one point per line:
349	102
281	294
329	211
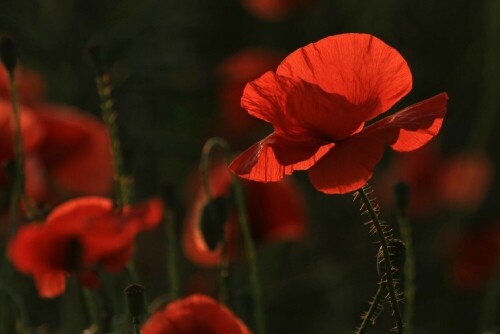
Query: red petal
146	215
359	67
193	315
76	150
350	163
412	127
347	166
276	210
80	209
301	111
50	284
274	157
21	248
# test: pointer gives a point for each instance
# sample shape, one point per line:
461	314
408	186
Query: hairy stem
387	260
373	308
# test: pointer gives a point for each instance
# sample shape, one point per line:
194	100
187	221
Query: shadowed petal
360	67
347	166
274	157
350	163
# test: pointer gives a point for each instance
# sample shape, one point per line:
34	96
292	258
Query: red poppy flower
70	148
195	314
78	236
274	9
75	151
477	255
318	102
275	211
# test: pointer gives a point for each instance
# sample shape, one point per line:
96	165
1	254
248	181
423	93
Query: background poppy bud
397	250
135	301
402	197
8	52
213	220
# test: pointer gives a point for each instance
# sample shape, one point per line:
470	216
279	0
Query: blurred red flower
477	257
234	73
76	238
272	10
318	102
195	314
67	151
275	212
459	182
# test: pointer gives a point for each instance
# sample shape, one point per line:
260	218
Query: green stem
373	308
222	270
93	310
109	116
245	230
223	275
172	269
18	187
387	260
17	192
409	273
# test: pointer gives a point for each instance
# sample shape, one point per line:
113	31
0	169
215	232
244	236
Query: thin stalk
223	266
387	260
223	276
409	273
16	195
373	308
173	276
18	187
109	116
245	231
93	310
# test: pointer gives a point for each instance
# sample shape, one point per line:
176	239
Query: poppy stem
93	311
9	58
223	269
387	260
18	184
104	89
172	268
373	307
245	230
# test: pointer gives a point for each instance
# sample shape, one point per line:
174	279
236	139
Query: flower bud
213	221
135	301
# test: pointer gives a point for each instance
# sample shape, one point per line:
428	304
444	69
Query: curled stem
245	229
387	260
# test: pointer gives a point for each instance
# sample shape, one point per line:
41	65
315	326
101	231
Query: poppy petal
50	284
361	68
274	157
195	314
412	127
347	166
80	208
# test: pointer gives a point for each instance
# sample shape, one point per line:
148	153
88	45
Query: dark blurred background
165	60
